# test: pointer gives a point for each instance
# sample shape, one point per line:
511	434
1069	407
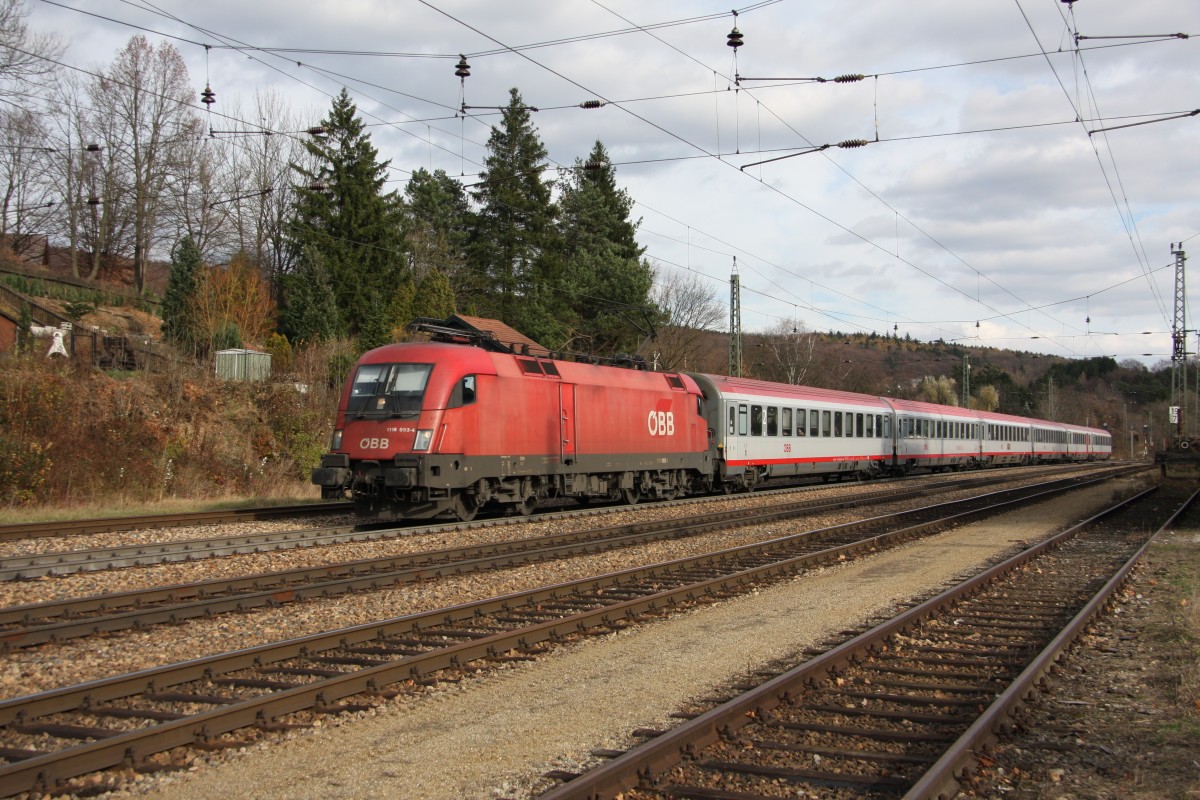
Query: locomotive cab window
463	393
388	390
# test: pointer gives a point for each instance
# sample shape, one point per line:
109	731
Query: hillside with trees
294	238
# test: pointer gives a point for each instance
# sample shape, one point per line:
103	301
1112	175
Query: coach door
566	416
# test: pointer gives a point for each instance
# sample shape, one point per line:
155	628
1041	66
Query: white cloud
1032	209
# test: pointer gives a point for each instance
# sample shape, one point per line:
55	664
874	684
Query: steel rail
945	777
684	742
61	563
58	620
48	770
35	565
80	527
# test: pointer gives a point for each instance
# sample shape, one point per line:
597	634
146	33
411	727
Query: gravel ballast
494	738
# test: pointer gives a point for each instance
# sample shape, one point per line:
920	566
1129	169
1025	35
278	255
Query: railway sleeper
882	756
829	780
186	697
880	734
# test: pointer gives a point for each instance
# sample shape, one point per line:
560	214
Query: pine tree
342	213
179	325
434	296
514	250
311	313
608	281
439	215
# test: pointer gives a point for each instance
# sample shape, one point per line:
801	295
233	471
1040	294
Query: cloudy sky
987	206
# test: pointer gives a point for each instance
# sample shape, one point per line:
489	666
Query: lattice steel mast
735	323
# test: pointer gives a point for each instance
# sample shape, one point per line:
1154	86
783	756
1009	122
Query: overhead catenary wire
500	50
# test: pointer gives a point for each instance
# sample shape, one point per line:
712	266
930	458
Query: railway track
23	567
904	709
51	737
82	527
59	620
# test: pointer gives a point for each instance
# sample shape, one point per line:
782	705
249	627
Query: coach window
772	421
802	422
826	423
858	424
743	419
785	422
756	420
812	423
732	420
837	423
870	434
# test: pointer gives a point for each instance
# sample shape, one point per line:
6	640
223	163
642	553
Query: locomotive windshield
394	390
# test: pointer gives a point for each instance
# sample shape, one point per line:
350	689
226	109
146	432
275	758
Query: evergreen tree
25	329
608	280
342	213
179	325
439	215
311	312
514	250
434	296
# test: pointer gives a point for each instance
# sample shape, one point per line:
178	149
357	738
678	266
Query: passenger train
447	427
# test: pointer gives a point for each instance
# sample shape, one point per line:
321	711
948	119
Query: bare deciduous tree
233	295
27	199
690	309
786	353
27	60
146	92
941	390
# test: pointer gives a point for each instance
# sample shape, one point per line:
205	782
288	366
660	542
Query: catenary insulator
849	78
595	164
93	148
735	39
462	69
208	96
93	201
316	130
849	143
592	104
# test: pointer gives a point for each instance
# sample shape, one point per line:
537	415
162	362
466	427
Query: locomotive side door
566	416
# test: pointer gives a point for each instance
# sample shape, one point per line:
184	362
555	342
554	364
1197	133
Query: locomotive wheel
465	507
630	496
526	506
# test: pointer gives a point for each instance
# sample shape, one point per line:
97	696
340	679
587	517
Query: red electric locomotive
442	429
482	416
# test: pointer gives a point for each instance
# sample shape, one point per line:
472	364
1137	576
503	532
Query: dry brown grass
72	437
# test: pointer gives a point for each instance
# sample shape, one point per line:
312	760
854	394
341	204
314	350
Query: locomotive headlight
422	439
336	444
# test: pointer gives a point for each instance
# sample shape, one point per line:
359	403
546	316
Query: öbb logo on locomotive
373	443
661	420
